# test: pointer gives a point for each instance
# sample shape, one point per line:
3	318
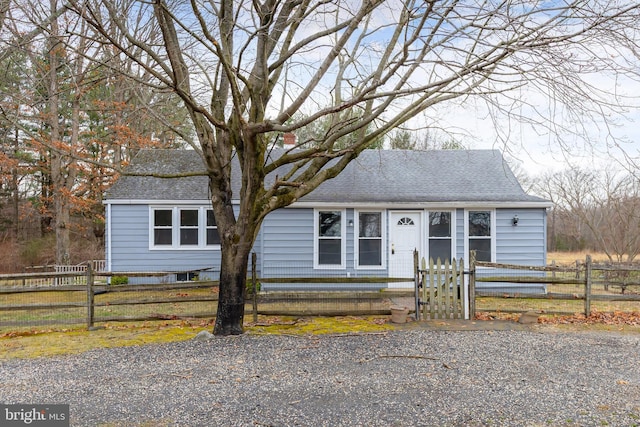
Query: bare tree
249	70
595	208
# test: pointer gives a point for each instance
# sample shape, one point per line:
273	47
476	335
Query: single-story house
365	222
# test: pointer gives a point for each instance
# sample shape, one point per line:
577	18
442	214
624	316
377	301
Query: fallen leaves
596	317
496	316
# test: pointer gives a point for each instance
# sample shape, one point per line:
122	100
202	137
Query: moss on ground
32	343
321	325
46	343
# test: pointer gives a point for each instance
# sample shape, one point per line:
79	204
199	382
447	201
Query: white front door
405	236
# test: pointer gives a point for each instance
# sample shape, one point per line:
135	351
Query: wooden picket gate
441	291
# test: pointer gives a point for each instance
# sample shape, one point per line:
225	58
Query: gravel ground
400	378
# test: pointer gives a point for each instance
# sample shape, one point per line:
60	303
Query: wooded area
70	119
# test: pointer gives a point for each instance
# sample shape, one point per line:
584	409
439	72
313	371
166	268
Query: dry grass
34	343
570	258
109	309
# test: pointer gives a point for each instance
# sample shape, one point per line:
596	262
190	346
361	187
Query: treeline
594	210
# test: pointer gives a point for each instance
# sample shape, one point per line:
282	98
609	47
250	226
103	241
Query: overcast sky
537	148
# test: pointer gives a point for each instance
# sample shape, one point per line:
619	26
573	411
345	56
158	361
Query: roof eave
378	205
430	205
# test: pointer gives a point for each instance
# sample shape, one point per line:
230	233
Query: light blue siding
130	251
130	245
521	244
524	243
288	251
285	245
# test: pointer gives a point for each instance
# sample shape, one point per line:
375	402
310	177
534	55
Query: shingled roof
376	176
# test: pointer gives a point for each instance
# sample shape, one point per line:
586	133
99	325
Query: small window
440	236
480	234
370	239
329	244
189	227
186	277
163	227
405	221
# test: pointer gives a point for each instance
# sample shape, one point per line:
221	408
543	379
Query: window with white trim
162	227
183	228
189	227
480	234
330	245
369	239
440	240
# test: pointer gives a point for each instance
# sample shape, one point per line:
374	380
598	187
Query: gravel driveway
400	378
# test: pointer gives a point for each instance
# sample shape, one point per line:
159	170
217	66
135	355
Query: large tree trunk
233	279
237	235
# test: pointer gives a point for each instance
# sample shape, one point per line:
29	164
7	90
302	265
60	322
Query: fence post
254	283
90	294
416	282
472	285
587	286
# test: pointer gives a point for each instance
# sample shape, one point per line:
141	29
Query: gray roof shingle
376	176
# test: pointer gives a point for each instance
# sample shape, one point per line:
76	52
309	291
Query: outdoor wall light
350	223
515	220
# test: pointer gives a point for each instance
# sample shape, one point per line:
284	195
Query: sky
468	120
538	151
596	142
567	138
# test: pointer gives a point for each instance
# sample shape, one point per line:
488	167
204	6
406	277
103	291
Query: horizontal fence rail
557	289
89	297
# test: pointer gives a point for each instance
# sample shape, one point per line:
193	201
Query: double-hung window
369	239
480	234
162	227
183	228
440	241
329	242
189	227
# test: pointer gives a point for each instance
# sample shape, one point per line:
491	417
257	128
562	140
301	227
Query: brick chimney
289	140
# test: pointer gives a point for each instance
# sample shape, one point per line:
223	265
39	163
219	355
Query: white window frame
383	240
152	227
492	232
452	232
197	227
175	229
343	240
